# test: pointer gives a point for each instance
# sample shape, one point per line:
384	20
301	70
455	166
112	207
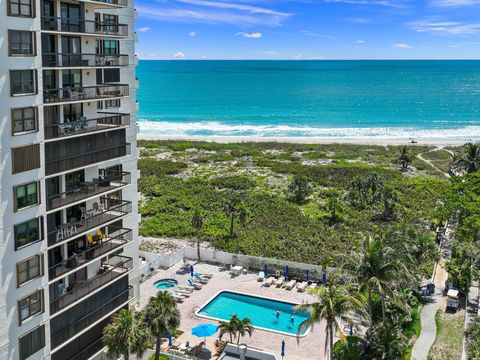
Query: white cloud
256	35
241	7
144	29
298	57
192	33
179	55
455	3
444	27
402	46
360	41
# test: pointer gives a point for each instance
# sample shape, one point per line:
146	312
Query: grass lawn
448	343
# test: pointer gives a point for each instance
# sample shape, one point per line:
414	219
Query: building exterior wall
10	292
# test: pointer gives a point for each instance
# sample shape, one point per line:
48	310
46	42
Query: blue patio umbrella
286	272
265	269
191	270
283	349
351	330
324	279
169	335
308	276
204	330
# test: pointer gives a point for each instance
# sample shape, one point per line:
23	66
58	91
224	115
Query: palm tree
230	210
375	273
389	197
404	157
161	316
230	328
335	301
334	206
126	334
242	222
197	223
470	159
244	327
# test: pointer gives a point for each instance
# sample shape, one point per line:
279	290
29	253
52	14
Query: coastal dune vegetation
371	211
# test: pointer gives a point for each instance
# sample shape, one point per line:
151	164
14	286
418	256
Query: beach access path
422	346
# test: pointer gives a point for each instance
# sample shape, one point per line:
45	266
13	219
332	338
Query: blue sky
308	29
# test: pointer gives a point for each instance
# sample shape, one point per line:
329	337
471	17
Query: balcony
81	160
109	180
83	26
106	122
114	238
83	60
108	210
97	92
88	320
115	3
109	270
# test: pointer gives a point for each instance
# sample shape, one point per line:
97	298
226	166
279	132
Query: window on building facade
30	305
22	82
24	120
27	233
32	342
29	269
21	43
21	8
26	195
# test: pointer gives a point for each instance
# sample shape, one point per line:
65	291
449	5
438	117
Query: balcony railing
114	238
83	26
97	92
112	2
71	162
105	122
109	270
108	181
63	335
110	210
83	60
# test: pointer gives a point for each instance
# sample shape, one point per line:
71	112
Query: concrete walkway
472	310
426	339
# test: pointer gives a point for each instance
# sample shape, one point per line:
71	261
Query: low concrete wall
251	263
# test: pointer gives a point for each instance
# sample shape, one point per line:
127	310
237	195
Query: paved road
424	342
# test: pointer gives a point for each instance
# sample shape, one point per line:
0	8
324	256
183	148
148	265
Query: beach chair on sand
290	285
197	286
302	286
182	293
279	282
268	282
186	288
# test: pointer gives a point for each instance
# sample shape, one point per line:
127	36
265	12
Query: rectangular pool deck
310	347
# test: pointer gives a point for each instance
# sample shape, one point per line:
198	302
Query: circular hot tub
164	284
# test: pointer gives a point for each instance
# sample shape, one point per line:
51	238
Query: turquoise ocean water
383	99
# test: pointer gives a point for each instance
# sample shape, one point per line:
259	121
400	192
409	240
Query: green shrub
235	182
149	167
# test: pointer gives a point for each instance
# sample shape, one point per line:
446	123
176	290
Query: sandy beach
315	140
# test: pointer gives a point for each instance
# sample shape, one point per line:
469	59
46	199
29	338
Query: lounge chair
182	293
312	286
178	298
261	276
290	285
197	286
268	282
207	276
279	282
186	288
302	286
200	279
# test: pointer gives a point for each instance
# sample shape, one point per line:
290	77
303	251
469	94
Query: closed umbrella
283	349
204	330
286	272
265	269
308	276
191	270
169	335
324	279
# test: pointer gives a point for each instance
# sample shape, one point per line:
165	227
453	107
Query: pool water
260	311
164	284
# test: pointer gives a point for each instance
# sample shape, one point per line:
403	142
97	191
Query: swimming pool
260	310
165	284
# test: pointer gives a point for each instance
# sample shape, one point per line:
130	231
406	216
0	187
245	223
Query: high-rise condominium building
68	190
